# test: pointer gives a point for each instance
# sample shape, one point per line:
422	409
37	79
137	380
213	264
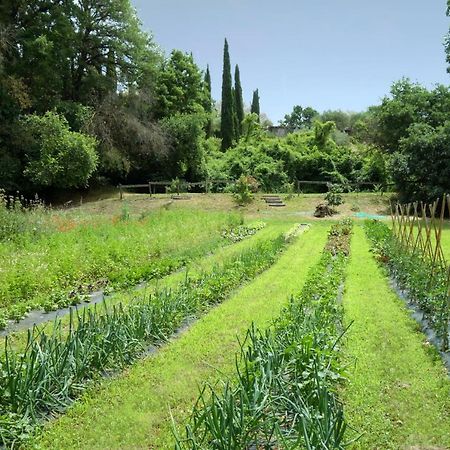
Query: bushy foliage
308	155
334	196
421	167
179	87
413	125
130	141
409	104
59	157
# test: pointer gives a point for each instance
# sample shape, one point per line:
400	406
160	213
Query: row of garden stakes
414	225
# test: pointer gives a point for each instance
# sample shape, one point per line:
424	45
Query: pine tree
255	103
227	122
208	103
239	101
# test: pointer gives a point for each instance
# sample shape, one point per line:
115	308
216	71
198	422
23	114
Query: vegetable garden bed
55	368
284	393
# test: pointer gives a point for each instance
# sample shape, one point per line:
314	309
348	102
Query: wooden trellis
418	228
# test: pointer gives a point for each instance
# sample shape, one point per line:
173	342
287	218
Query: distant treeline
88	98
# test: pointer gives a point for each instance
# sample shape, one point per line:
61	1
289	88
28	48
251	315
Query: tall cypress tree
255	103
208	102
227	122
239	101
235	117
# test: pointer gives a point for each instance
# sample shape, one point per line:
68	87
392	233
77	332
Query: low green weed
20	218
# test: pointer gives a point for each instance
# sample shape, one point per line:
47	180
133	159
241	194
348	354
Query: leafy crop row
241	232
412	273
284	395
58	269
54	368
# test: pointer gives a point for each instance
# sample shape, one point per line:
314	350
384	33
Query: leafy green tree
409	103
58	157
77	50
342	119
185	158
251	127
227	130
255	108
239	100
300	118
71	57
421	167
242	193
180	88
130	142
322	133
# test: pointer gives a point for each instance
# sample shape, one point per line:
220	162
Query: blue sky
328	54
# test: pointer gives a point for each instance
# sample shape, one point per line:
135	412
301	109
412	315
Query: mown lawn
398	394
134	410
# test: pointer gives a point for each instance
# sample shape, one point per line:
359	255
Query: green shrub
242	191
59	157
334	196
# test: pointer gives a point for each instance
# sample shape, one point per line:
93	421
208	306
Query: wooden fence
152	186
208	184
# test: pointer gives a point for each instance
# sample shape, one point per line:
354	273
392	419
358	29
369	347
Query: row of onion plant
425	284
55	367
284	392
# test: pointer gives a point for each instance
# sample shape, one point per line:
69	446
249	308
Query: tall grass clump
60	267
284	393
20	218
413	273
55	367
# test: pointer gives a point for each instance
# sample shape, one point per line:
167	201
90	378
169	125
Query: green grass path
399	393
132	411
